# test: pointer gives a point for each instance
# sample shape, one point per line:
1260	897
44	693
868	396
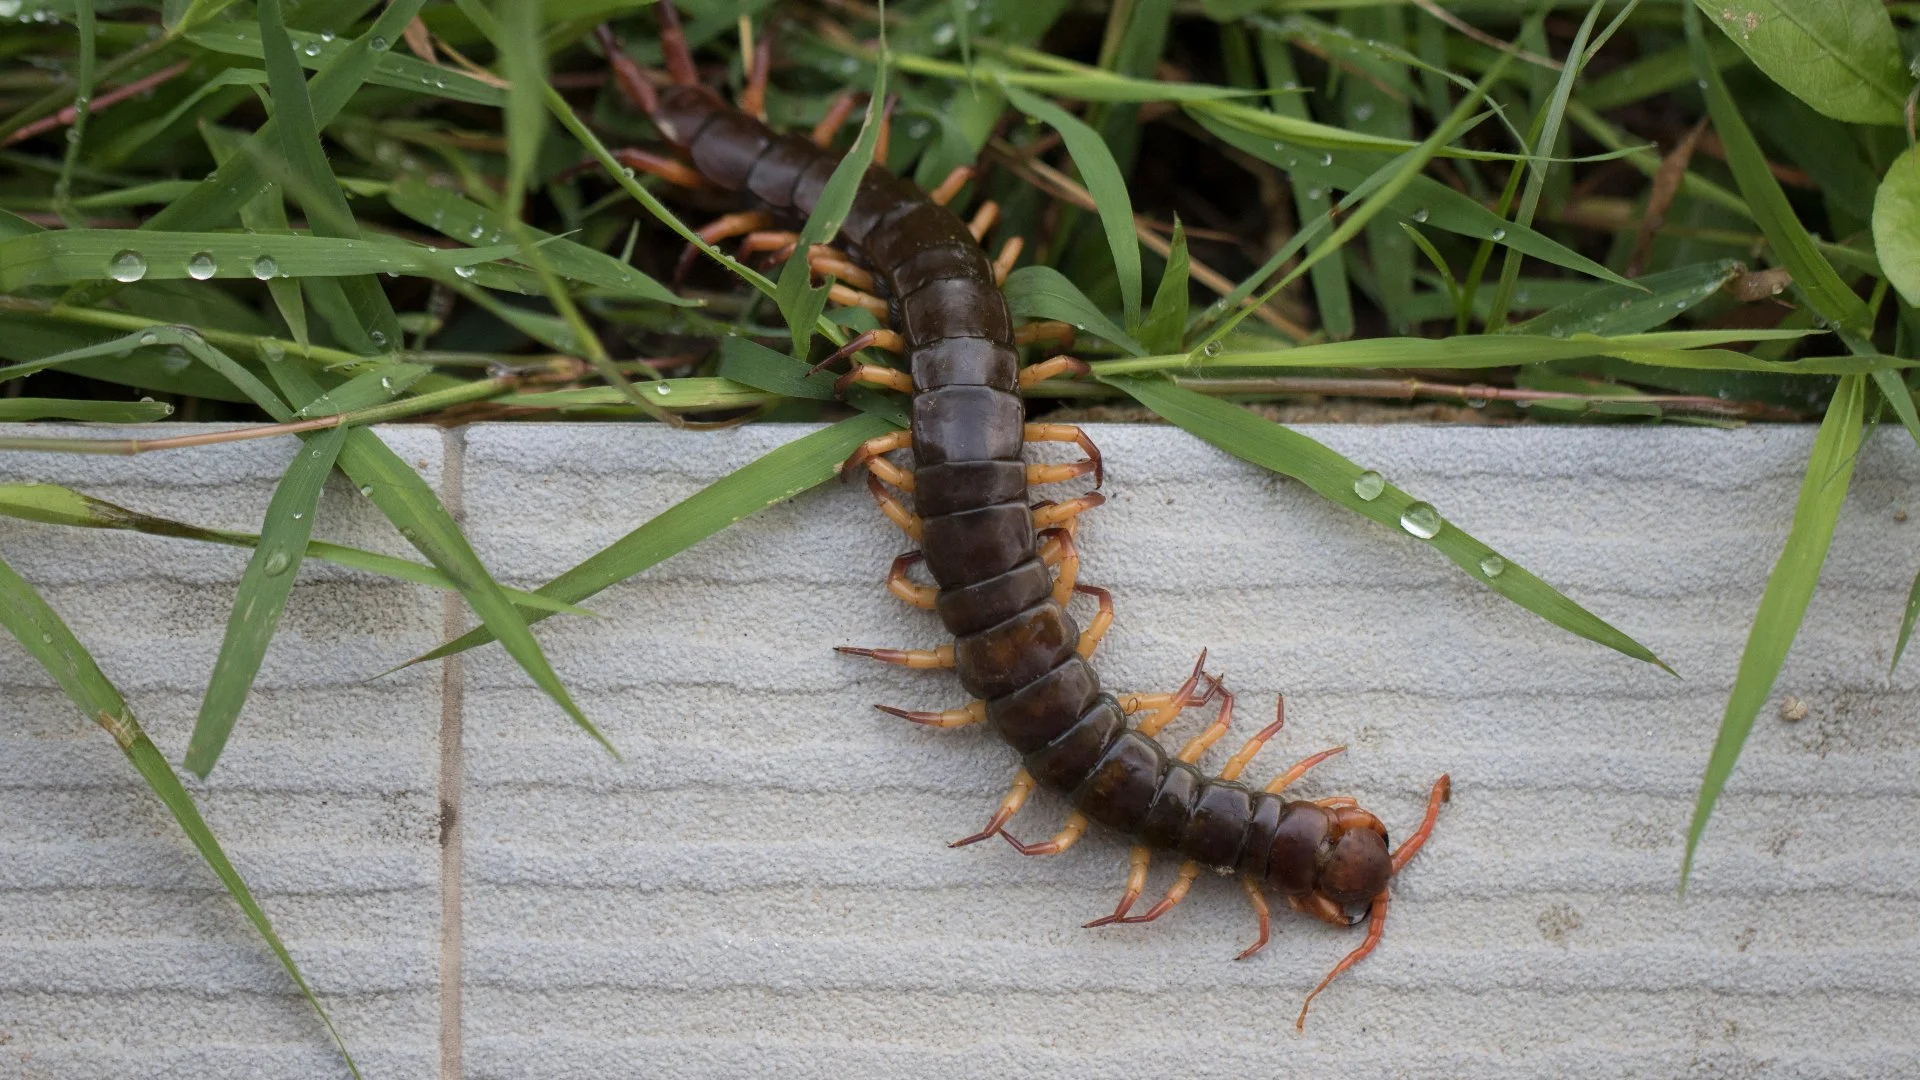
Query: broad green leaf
58	257
52	504
47	638
1041	292
1103	180
1267	444
97	412
1789	588
262	596
1896	225
778	475
1813	276
1840	56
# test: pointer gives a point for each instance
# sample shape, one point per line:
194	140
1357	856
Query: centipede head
1332	858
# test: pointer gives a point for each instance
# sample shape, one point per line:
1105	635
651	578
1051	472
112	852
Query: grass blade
1342	482
1041	292
49	641
1789	588
262	596
96	412
1101	174
774	477
70	255
1906	625
1166	323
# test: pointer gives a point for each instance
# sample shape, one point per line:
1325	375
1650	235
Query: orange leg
1377	912
874	375
1010	805
1003	262
627	74
900	585
1068	433
983	219
889	473
1167	706
828	262
875	339
1057	334
1198	745
780	243
834	120
1259	909
1320	908
951	186
898	514
873	448
883	141
1138	859
1182	882
721	228
1059	549
921	659
1069	835
753	97
1038	474
974	713
1097	629
666	168
1055	513
847	296
1049	369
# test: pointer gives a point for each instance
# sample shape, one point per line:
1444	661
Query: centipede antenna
673	45
1442	791
626	73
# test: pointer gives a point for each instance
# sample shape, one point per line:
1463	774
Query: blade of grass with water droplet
1679	348
1331	293
776	476
1102	177
262	596
799	302
52	504
1285	451
391	69
1623	309
1789	587
61	256
365	390
52	644
13	410
1041	292
757	366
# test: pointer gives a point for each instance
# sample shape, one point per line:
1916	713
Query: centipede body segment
1003	570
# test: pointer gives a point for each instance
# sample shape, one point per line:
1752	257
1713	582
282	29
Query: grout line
453	623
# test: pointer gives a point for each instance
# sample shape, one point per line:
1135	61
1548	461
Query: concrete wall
763	884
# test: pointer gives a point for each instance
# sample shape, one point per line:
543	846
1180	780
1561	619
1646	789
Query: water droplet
1476	397
149	338
299	515
1368	485
465	271
1363	111
477	231
1493	566
377	44
175	360
8	9
366	489
1313	194
277	564
312	48
200	265
379	339
1420	215
326	35
626	172
264	267
1422	520
386	383
127	266
662	389
271	351
1498	234
46	639
1326	159
943	34
1211	348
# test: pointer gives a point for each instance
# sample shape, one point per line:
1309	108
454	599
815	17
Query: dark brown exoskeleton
1003	570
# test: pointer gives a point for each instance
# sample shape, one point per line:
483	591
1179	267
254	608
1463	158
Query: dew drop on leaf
1422	520
1368	485
127	266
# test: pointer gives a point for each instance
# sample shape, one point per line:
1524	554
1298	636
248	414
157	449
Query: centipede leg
1138	858
1376	926
769	240
1010	804
1069	835
920	659
885	378
1051	369
883	139
948	188
1260	909
721	228
1058	549
673	45
983	219
834	120
897	513
1244	755
1189	871
627	74
887	471
1049	332
1198	745
1167	706
674	172
848	296
1072	434
874	448
920	596
831	262
1051	513
753	96
1102	620
975	712
1003	262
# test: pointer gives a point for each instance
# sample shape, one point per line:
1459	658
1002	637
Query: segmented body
1015	645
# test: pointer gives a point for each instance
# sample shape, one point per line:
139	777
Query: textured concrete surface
762	884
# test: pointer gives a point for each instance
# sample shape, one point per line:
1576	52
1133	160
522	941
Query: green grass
269	211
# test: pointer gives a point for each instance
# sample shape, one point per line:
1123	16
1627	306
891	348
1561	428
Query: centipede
1004	568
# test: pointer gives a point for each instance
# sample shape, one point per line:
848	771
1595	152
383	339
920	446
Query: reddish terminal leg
974	713
1138	859
1010	804
1069	835
900	585
1189	870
